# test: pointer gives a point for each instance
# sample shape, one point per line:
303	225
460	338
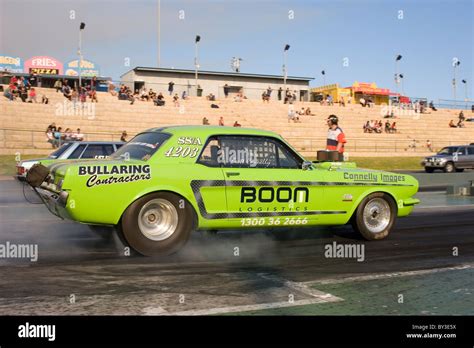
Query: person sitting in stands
23	94
93	96
292	115
44	99
301	112
211	97
7	93
78	136
387	126
393	128
460	124
308	111
205	121
363	102
237	124
32	96
184	95
176	100
67	134
111	88
158	101
58	136
432	107
221	121
124	136
366	127
58	85
67	92
50	138
451	124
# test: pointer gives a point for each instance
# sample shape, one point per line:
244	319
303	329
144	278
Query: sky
351	40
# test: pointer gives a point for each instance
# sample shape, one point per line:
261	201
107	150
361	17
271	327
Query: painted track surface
78	272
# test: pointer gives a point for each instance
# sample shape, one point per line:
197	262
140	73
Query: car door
470	156
460	158
265	182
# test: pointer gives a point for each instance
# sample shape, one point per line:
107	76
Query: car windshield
447	151
141	147
60	151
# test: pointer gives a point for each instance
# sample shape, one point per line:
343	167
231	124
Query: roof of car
94	142
210	130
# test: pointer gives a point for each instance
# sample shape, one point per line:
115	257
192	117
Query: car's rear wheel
429	170
158	224
449	167
375	216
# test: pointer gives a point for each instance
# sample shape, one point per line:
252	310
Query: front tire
375	216
449	167
158	224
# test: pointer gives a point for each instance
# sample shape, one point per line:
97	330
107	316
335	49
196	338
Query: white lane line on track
317	297
387	275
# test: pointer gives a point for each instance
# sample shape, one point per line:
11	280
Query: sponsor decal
43	65
189	141
117	174
11	64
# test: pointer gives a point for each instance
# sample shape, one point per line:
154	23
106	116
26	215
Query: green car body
229	178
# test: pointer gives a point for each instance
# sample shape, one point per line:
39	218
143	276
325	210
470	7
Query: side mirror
307	165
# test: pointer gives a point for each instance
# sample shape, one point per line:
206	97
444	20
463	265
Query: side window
470	150
462	151
247	152
95	151
77	152
210	154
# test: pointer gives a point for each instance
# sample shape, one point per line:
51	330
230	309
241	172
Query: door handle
229	174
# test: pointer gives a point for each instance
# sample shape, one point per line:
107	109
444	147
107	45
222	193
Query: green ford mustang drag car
167	182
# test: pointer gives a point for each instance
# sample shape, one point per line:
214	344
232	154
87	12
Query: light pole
285	72
397	75
159	33
79	52
401	82
456	63
465	91
196	62
324	77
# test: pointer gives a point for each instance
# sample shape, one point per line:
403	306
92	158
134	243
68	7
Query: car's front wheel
449	167
158	224
375	216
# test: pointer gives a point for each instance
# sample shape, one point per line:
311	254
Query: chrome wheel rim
158	219
377	215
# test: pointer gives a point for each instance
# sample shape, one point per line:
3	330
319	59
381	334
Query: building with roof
356	91
251	85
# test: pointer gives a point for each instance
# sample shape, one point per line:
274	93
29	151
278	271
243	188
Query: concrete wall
252	86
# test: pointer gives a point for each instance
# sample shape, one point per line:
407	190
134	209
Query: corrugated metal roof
219	73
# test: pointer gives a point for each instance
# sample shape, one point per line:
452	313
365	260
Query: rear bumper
55	202
410	202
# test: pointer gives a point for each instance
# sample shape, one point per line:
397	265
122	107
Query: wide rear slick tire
375	216
158	224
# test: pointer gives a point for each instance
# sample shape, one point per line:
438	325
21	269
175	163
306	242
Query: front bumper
410	202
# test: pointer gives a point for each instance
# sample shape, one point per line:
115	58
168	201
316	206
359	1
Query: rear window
141	147
60	151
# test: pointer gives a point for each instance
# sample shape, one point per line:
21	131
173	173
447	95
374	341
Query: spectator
158	101
269	92
226	90
336	138
44	99
111	88
428	145
221	121
451	124
23	94
67	134
7	93
184	95
67	92
329	99
393	128
33	80
205	121
308	112
265	97
341	101
50	138
363	102
211	97
58	136
93	85
124	136
292	115
460	124
387	126
32	96
78	136
171	87
432	107
461	116
280	90
237	124
58	85
93	96
176	100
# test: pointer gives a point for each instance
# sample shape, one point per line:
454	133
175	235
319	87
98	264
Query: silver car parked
72	150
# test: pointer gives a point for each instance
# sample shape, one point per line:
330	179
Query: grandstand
23	125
